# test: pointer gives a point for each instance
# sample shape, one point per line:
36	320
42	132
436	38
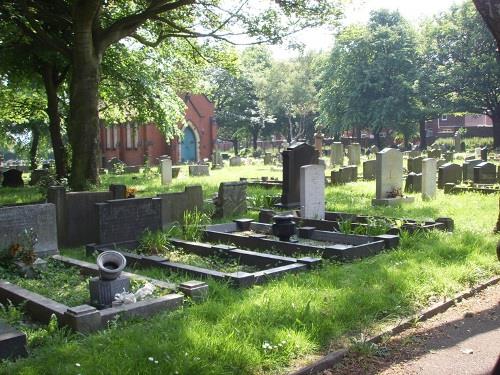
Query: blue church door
188	145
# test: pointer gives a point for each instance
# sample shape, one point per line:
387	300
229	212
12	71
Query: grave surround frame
269	265
341	247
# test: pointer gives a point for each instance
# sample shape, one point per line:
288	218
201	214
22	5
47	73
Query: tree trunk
423	134
50	82
490	11
35	140
84	118
236	147
495	118
255	137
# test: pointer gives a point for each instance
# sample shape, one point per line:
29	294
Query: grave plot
451	188
86	304
241	268
281	237
363	224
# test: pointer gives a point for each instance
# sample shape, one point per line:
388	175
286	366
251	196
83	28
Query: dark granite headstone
12	342
484	154
485	173
173	205
126	219
13	178
369	168
294	157
413	183
449	173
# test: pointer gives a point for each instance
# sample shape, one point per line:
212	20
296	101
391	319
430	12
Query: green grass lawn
268	329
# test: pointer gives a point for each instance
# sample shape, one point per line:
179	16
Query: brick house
134	144
447	125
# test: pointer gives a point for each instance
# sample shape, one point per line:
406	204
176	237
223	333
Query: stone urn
111	264
284	227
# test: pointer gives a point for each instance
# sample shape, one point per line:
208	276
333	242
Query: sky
358	12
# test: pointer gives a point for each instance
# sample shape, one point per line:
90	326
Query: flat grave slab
258	236
266	265
12	342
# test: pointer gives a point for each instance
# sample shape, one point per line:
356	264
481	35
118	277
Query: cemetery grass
270	328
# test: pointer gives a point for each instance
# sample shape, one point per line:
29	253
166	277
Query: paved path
465	340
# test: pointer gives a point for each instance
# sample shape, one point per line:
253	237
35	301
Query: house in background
134	143
446	126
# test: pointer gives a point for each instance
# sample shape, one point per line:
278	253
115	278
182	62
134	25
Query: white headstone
354	154
337	155
477	152
166	171
429	172
389	175
312	192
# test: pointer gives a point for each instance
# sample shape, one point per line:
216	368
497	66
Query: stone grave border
332	223
272	265
451	188
86	318
341	247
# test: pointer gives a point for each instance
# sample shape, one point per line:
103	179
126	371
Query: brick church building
133	144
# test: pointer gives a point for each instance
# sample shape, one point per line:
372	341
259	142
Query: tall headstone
294	157
484	154
337	155
429	173
318	142
354	153
166	171
312	192
458	142
413	183
477	152
389	178
268	158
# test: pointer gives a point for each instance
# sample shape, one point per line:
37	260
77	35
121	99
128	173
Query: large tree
370	78
97	25
468	66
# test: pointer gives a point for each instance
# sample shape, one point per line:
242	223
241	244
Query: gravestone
429	173
198	170
312	192
41	218
126	219
468	169
318	142
462	146
374	149
268	158
77	214
449	173
37	174
112	163
484	154
294	157
175	172
369	169
217	162
413	183
231	199
337	155
477	152
415	164
235	161
458	141
389	178
12	342
166	171
174	205
344	175
485	173
434	154
448	156
13	178
354	153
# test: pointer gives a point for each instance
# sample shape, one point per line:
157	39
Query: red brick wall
151	142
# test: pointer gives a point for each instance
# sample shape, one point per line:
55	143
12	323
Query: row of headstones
14	177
